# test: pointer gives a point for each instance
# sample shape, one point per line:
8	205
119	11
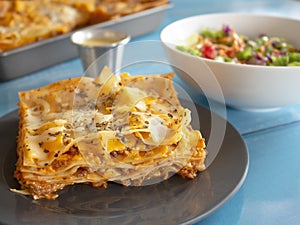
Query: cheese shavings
126	129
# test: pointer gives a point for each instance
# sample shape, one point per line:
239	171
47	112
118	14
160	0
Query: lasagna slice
126	129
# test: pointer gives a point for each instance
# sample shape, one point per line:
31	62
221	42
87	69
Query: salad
226	45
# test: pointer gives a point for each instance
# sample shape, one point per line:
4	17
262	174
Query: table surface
271	191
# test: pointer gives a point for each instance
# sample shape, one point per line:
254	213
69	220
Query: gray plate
21	61
174	201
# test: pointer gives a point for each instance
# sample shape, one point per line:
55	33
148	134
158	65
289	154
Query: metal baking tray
26	59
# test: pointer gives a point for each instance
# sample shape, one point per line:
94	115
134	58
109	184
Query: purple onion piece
226	29
258	57
257	60
269	57
283	54
275	44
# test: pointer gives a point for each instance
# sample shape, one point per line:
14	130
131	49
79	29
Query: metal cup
100	47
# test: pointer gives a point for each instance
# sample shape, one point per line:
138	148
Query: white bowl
247	87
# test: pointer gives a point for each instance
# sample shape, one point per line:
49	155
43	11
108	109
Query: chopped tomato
208	51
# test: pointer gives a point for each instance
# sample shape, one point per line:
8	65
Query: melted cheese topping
127	129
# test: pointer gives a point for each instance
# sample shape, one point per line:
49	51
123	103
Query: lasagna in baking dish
25	22
126	129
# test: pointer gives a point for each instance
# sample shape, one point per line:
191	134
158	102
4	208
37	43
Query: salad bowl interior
257	87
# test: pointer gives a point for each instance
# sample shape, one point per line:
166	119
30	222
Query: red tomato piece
208	51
